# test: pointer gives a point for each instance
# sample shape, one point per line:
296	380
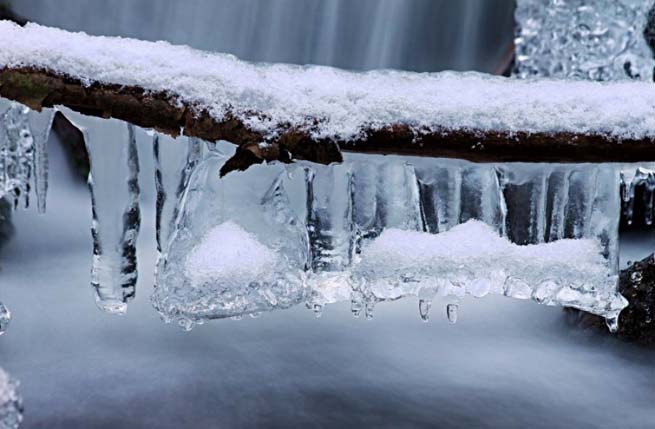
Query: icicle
424	306
369	308
538	207
318	310
581	198
41	124
398	201
175	159
604	218
559	190
11	403
330	224
17	153
114	188
441	194
5	318
452	312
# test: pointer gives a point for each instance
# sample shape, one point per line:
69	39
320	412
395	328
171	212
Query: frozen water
332	103
114	188
638	183
16	155
11	403
23	153
174	160
40	125
238	246
382	228
5	318
460	261
596	40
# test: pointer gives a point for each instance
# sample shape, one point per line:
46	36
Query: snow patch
228	251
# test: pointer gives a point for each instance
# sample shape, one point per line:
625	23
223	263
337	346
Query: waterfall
421	35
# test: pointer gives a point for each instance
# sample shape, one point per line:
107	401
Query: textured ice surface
40	125
11	403
344	103
638	183
16	155
23	153
238	246
5	318
114	188
596	40
472	258
381	228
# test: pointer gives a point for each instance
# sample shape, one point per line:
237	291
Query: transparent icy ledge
11	403
596	40
276	236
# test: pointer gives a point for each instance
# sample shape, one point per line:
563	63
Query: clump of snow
345	103
475	239
472	258
228	251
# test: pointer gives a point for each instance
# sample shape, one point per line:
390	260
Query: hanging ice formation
381	228
114	186
11	403
23	153
638	185
596	40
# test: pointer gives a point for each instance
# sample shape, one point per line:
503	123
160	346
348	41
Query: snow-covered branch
285	112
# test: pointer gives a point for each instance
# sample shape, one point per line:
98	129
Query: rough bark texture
161	111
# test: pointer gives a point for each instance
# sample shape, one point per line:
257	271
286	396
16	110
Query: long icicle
114	186
41	124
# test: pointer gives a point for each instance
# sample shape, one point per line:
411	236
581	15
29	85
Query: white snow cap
345	102
228	251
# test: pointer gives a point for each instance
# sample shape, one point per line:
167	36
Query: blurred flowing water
506	363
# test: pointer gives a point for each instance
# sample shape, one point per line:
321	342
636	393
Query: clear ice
16	155
238	246
5	318
638	183
40	126
11	403
379	228
114	186
174	159
595	40
23	153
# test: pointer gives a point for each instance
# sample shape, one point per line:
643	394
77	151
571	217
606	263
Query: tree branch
163	112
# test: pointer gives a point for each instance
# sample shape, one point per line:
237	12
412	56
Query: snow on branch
287	112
